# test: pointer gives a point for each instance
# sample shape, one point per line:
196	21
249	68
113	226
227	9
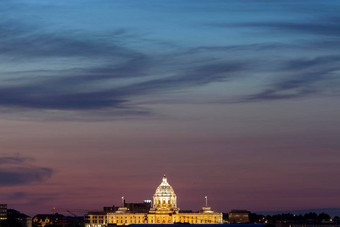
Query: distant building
49	219
138	207
238	216
164	210
185	211
3	212
18	217
110	209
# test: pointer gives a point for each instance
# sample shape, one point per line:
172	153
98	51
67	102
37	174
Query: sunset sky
236	100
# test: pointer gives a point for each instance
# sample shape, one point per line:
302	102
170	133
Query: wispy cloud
124	73
13	160
86	88
326	27
21	41
303	77
17	170
44	93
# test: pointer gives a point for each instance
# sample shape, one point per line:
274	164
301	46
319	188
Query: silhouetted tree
75	225
324	217
311	215
255	218
269	225
336	220
225	216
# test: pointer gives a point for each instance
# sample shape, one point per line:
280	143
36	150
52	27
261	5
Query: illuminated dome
164	198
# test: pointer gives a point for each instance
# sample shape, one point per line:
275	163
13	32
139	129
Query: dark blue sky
235	99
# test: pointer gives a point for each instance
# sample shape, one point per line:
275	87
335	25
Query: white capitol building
163	211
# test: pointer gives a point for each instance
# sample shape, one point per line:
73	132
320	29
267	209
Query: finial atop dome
164	179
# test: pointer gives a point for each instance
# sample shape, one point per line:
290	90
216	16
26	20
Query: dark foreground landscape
17	219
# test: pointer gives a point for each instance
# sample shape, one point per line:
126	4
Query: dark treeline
16	223
311	217
308	218
11	222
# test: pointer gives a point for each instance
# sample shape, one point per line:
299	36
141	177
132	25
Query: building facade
164	210
3	212
20	218
238	216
